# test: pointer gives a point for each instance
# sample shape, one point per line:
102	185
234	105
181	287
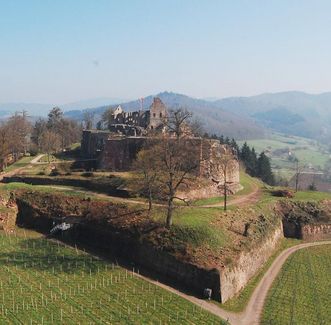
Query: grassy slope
308	151
19	164
301	292
43	282
246	181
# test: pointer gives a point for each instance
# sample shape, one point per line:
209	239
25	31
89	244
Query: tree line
54	133
19	136
255	165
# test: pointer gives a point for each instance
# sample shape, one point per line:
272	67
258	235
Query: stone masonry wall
235	278
314	232
119	153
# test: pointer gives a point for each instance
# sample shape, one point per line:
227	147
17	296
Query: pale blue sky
56	51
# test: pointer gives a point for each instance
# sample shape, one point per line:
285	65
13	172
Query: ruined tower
158	113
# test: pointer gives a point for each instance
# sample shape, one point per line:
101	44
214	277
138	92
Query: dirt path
19	169
252	313
241	200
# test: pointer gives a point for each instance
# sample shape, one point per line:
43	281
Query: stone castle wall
120	153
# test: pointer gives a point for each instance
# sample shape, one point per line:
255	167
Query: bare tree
39	128
175	161
148	165
50	142
220	165
88	120
172	159
4	145
177	122
19	128
298	171
106	118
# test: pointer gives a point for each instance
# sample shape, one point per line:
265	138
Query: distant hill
37	109
292	112
215	119
7	109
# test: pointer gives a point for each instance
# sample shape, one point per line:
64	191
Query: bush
283	193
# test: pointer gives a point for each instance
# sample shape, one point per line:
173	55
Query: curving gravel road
252	313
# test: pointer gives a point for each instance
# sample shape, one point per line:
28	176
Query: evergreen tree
264	169
221	138
245	153
251	164
234	145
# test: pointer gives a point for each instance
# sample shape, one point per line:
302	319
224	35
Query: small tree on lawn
50	142
298	171
220	166
148	165
178	161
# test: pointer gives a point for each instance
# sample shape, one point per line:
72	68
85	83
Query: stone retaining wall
315	232
235	278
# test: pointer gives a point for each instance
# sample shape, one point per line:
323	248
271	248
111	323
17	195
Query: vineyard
44	282
301	293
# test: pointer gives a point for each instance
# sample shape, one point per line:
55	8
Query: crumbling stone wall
119	153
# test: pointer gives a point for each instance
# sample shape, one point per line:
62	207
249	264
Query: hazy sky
60	51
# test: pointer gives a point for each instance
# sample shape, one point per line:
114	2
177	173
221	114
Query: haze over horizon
62	52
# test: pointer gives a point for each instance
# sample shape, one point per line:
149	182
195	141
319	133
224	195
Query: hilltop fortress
116	148
140	122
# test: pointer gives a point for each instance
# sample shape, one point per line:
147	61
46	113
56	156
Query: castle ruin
117	148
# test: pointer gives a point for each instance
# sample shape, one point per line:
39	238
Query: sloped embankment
114	230
120	231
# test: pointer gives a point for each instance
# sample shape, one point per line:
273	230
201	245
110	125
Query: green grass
238	303
43	282
19	163
68	191
311	196
194	225
301	292
246	182
306	150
